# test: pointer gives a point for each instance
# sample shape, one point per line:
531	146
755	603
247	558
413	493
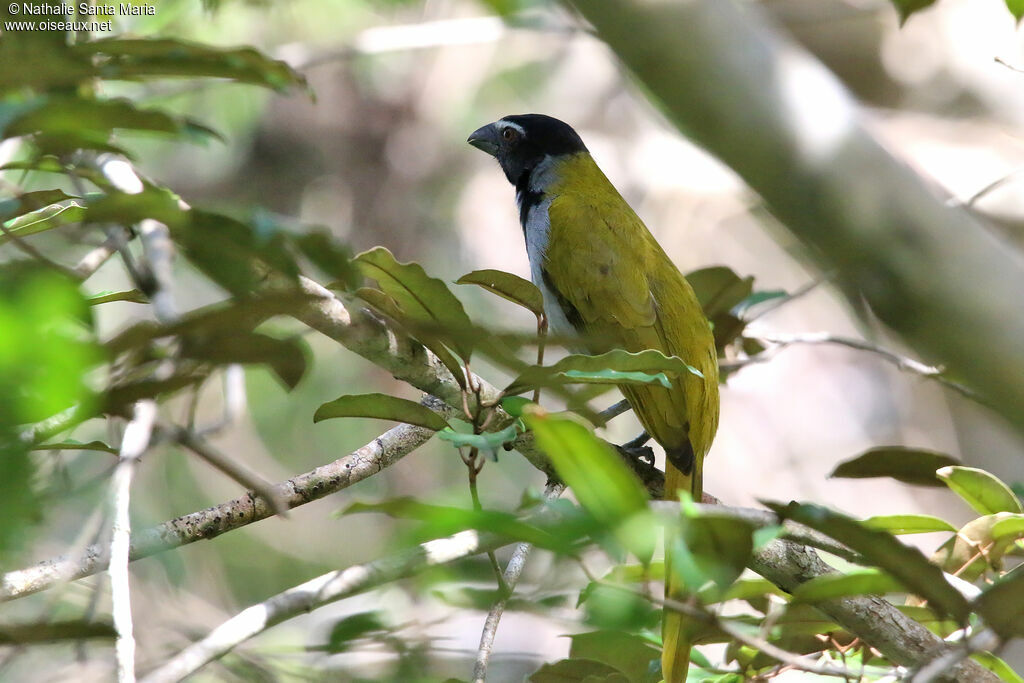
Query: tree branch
783	122
382	452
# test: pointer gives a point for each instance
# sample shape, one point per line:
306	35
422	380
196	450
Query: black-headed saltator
607	281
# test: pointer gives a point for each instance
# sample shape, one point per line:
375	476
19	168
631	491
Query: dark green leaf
383	407
602	483
577	671
1001	605
909	465
72	445
73	116
907	7
650	362
286	357
421	298
860	582
908	524
627	653
122	59
982	491
719	289
54	631
907	565
351	628
331	257
714	548
127	208
120	396
509	286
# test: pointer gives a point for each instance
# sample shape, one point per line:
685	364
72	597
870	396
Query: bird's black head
522	141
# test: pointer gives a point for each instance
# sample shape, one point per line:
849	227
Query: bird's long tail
677	631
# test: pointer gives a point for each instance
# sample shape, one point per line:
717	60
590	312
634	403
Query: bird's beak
486	139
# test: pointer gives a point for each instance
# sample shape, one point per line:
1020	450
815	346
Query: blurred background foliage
359	132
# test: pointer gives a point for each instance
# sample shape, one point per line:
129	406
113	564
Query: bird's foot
636	451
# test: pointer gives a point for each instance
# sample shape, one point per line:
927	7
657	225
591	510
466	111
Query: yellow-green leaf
383	407
981	490
508	286
908	524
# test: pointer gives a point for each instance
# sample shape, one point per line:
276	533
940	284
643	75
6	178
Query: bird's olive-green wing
602	261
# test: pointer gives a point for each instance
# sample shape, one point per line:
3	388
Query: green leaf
627	653
997	666
1001	605
719	290
859	582
905	564
30	201
383	407
509	286
1016	8
514	405
908	524
616	377
488	442
423	299
46	218
602	483
907	7
77	116
331	257
601	368
909	465
122	59
713	548
134	296
440	521
577	671
286	357
352	628
72	445
982	491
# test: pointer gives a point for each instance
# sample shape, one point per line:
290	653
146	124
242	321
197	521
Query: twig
513	571
984	640
34	253
317	592
117	238
133	445
229	466
901	362
378	454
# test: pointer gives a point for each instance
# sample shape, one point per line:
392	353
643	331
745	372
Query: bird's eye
510	134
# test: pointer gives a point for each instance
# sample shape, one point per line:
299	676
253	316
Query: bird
608	283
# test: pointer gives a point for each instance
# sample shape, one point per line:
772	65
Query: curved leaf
909	465
602	483
508	286
908	524
601	368
46	218
981	490
1001	605
860	582
383	407
489	442
422	299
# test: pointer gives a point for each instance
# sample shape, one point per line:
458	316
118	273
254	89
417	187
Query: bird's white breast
537	229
